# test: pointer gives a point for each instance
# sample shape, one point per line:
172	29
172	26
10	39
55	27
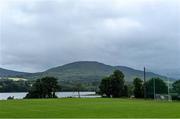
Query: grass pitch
88	108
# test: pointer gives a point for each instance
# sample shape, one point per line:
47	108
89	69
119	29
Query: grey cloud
43	34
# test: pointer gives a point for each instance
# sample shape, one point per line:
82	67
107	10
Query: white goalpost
166	97
162	97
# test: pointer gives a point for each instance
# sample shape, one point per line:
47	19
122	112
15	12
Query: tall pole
154	88
144	82
168	91
168	86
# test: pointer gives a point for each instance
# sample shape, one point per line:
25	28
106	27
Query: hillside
9	73
81	71
86	71
89	73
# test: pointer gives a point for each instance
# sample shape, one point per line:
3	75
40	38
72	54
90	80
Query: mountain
89	71
10	73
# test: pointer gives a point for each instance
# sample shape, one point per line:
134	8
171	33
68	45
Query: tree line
13	86
46	88
111	86
114	86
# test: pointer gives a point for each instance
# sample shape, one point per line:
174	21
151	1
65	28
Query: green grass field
88	108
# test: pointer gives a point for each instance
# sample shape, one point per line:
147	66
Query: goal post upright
144	82
154	85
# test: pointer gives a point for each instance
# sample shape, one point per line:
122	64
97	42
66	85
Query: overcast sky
40	34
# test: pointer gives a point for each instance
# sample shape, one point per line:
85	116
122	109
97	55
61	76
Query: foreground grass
96	107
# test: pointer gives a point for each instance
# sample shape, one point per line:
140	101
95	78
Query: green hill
89	73
9	73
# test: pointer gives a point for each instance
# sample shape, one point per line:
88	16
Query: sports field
88	108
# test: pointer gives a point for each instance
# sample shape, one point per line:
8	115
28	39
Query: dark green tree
105	87
126	91
113	86
44	88
117	83
138	88
160	87
7	85
176	86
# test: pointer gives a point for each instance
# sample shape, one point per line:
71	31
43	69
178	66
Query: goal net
163	97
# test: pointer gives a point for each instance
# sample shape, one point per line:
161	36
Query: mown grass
88	108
